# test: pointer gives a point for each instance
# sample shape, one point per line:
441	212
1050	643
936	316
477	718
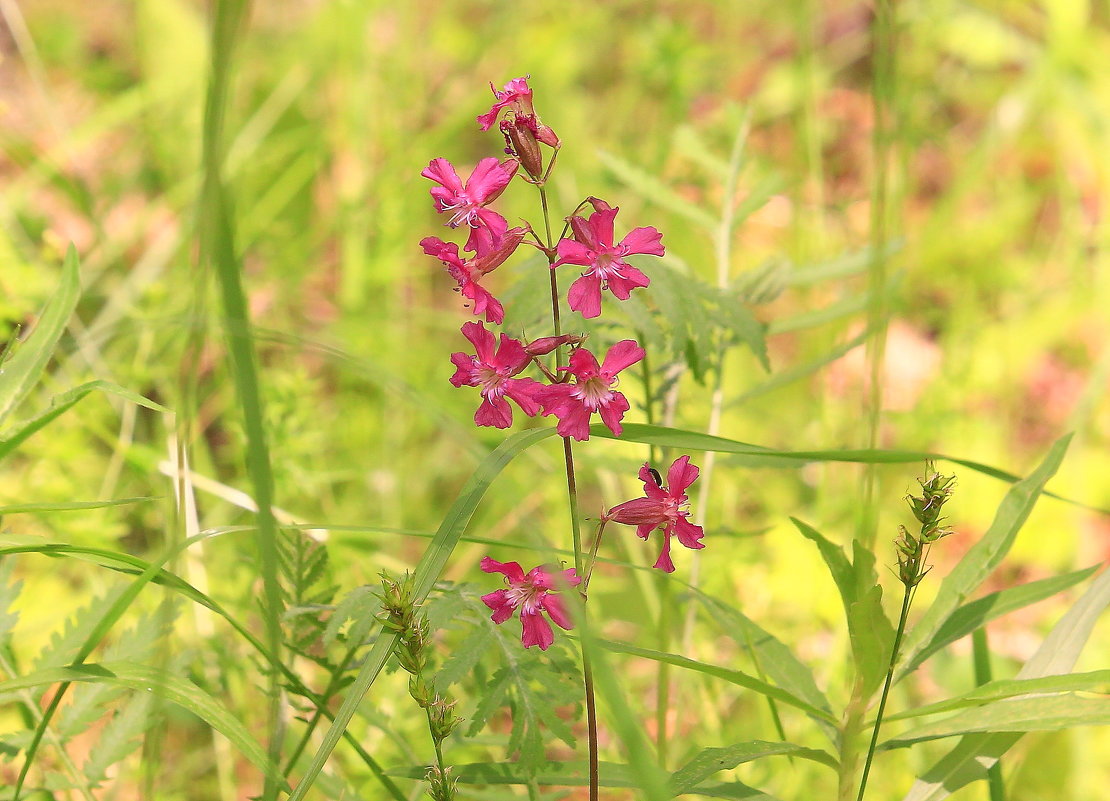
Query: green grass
300	218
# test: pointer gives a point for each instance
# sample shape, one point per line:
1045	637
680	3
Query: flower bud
544	345
521	142
494	255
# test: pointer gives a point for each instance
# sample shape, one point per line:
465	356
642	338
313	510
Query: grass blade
22	371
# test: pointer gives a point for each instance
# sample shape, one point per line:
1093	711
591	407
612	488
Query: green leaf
73	506
427	572
60	404
736	677
1047	713
872	637
20	373
713	760
985	554
174	689
972	615
1097	681
655	191
120	737
839	567
778	661
970	759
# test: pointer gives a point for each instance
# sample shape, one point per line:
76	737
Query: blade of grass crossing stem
155	572
986	553
427	571
218	249
981	663
20	372
968	761
770	457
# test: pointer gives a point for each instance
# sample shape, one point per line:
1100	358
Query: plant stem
906	598
575	525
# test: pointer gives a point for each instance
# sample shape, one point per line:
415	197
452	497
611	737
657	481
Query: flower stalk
400	614
913	554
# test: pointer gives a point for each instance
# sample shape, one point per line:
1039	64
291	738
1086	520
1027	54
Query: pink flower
592	247
491	253
592	391
493	370
468	203
516	101
663	507
533	594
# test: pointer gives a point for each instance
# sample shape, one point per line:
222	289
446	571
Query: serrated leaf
65	644
21	371
970	759
174	689
360	606
713	760
738	319
120	737
464	657
654	190
986	554
971	616
9	593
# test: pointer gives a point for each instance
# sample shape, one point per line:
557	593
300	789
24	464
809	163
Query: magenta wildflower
516	99
493	370
592	391
592	247
491	253
663	506
533	594
467	203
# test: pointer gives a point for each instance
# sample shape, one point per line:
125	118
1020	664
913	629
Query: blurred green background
998	296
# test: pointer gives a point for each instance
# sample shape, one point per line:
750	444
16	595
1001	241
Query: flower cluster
575	389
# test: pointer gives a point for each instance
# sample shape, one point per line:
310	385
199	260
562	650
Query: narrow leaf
713	760
971	616
20	373
970	759
655	191
1096	681
982	558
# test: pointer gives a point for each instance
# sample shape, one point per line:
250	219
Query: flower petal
625	353
629	278
681	475
638	512
601	226
664	562
585	295
613	412
651	488
510	570
443	172
646	240
498	601
523	391
495	412
464	370
536	631
482	340
572	252
583	364
689	534
553	605
489	179
446	252
574	422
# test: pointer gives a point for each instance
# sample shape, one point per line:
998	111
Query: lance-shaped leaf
22	371
970	759
713	760
972	615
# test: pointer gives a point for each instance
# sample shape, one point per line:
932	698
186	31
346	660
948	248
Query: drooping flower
467	203
492	370
592	391
490	254
516	100
664	506
533	593
592	247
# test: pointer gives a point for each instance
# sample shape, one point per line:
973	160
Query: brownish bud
522	143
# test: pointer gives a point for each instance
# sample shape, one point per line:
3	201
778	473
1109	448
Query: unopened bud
522	143
544	345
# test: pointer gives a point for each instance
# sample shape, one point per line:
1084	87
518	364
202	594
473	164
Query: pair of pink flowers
663	506
494	366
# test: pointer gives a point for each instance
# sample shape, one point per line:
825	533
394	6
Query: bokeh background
993	277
